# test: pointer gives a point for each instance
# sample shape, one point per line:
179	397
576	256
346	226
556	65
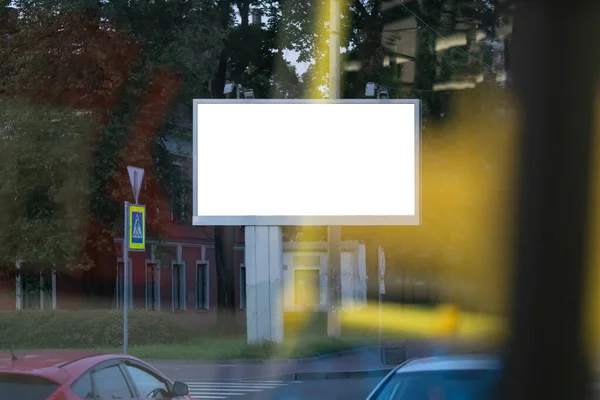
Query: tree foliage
134	67
128	64
45	184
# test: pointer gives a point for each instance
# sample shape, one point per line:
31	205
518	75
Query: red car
77	375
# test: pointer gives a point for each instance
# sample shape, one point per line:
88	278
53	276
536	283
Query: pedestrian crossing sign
137	228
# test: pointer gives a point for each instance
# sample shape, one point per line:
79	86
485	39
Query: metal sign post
125	276
381	262
134	239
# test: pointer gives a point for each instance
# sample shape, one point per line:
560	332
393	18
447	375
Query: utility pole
334	50
334	233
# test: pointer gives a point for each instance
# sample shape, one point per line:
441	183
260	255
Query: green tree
129	63
45	184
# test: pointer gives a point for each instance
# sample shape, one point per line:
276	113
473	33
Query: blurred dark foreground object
554	59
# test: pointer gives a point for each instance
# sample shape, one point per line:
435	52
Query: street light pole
334	233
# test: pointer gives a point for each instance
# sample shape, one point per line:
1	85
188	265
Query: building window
306	287
119	289
242	286
307	261
178	280
31	291
36	290
152	287
202	286
47	290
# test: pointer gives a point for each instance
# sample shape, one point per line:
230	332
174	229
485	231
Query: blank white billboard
294	162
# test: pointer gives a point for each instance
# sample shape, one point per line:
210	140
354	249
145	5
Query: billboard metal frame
287	220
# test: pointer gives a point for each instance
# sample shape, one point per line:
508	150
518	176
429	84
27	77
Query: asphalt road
343	389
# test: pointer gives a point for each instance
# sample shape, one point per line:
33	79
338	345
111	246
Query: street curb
313	376
291	361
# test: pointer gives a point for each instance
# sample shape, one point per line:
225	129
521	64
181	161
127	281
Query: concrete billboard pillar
264	283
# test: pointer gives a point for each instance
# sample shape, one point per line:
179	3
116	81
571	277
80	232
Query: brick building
176	273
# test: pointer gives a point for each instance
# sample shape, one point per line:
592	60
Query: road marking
232	388
205	389
217	393
240	385
212	389
237	383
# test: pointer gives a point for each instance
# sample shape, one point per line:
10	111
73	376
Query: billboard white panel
293	162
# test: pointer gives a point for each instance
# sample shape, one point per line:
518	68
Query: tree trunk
225	259
221	77
446	59
244	52
99	282
244	7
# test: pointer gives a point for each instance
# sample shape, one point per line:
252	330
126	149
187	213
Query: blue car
442	378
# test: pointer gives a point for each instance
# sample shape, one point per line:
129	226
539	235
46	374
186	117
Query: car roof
57	365
450	363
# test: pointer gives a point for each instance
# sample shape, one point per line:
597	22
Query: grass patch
60	329
239	349
160	336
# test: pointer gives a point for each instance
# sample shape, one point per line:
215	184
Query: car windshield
356	183
441	385
18	386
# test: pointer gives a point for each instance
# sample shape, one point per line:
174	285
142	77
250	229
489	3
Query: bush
315	323
305	323
318	347
32	329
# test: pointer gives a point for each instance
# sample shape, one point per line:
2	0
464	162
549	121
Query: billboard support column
264	283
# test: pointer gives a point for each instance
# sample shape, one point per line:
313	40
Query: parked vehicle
441	378
77	375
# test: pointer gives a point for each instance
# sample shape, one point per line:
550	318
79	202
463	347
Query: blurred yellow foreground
467	192
414	321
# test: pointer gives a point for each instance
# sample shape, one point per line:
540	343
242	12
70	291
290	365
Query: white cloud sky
291	56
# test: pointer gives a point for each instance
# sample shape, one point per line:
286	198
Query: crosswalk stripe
217	393
205	389
231	389
237	386
246	383
209	397
226	390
